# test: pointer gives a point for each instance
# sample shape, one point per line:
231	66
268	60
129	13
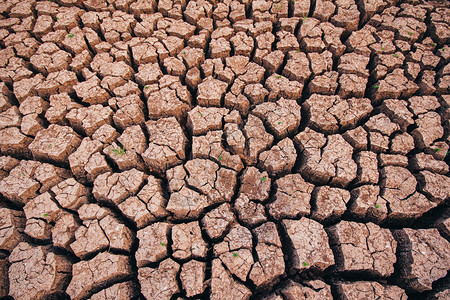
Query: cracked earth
271	150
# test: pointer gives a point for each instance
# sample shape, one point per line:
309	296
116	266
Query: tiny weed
162	244
46	214
382	48
235	254
437	150
119	151
220	157
293	1
263	179
434	45
377	86
50	145
204	53
293	196
305	264
443	49
57	18
201	115
276	7
396	55
146	87
23	174
279	123
304	17
279	76
184	52
298	51
71	35
410	32
377	206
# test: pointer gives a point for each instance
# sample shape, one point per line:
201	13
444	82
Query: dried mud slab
88	275
316	254
363	247
422	257
49	274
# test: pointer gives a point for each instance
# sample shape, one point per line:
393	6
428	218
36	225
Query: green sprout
293	196
410	32
297	51
377	86
263	179
304	17
235	254
220	157
377	206
204	53
305	264
119	151
279	76
437	150
46	214
293	1
50	145
434	45
382	48
184	52
276	7
443	49
147	86
71	35
57	18
162	244
279	123
201	115
395	55
23	174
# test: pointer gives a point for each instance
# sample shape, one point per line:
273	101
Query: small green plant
263	179
305	264
50	145
57	18
443	49
377	206
377	86
382	48
437	149
204	53
276	7
279	123
201	115
434	45
146	87
162	244
297	51
184	52
23	174
46	214
235	254
304	17
395	55
71	34
293	196
279	76
410	32
293	1
119	151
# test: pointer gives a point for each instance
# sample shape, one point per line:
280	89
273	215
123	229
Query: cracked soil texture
227	150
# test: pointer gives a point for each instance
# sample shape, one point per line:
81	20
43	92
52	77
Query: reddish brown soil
288	149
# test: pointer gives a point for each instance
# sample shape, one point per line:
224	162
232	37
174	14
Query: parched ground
173	149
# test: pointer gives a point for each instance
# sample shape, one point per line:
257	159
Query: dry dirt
173	149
